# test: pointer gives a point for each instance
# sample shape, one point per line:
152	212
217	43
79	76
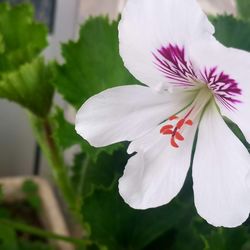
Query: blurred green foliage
22	39
24	77
31	191
29	86
232	32
243	7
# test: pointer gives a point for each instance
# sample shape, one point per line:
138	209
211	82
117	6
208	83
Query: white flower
191	82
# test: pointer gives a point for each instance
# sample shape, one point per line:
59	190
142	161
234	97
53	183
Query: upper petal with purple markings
149	25
182	73
225	89
235	79
172	61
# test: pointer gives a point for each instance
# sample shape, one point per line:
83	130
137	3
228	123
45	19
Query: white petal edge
220	173
147	25
126	113
234	62
156	174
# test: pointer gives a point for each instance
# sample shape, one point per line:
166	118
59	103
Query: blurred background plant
89	185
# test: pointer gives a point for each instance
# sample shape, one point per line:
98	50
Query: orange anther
179	137
173	143
189	122
166	129
174	117
167	132
175	131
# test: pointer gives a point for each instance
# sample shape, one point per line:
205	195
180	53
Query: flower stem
42	233
43	131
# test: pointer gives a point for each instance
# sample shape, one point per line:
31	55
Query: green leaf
21	39
243	7
187	238
212	238
117	226
64	132
226	239
88	174
29	86
92	63
232	32
66	137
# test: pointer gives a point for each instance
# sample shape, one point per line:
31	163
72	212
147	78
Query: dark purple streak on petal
225	88
171	61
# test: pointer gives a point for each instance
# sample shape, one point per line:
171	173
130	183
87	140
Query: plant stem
39	232
43	131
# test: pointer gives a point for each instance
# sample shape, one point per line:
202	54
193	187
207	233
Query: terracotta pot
51	215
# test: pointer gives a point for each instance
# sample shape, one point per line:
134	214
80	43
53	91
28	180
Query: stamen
173	143
175	131
180	124
174	117
166	130
189	123
179	137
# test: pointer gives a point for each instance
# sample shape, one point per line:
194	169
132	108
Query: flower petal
220	173
147	26
125	113
234	63
155	175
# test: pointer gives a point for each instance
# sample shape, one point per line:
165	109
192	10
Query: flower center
208	83
175	131
177	123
